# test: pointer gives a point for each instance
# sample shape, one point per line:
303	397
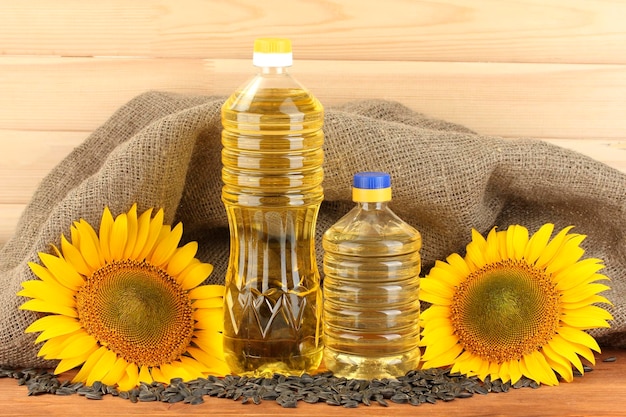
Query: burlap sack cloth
163	150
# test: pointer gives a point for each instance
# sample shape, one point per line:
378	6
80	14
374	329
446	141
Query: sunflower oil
371	283
272	172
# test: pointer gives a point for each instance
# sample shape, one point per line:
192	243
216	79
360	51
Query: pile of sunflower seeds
415	388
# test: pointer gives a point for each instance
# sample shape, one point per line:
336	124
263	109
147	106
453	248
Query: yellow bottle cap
272	52
272	45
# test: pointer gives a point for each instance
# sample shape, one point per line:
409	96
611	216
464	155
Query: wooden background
549	69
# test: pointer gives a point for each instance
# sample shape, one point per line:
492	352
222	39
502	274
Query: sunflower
514	306
126	304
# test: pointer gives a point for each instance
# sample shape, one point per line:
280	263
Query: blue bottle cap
371	180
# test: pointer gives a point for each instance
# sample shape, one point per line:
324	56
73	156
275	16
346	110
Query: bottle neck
373	205
273	70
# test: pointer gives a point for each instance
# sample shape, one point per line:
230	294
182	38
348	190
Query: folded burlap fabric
163	150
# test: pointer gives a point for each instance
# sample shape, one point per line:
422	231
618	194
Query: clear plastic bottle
272	172
371	283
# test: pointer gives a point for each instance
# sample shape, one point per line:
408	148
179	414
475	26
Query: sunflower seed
415	388
95	395
609	359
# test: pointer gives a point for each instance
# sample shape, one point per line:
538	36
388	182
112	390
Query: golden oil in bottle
371	283
272	172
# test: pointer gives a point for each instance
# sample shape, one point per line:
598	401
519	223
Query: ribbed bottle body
272	172
371	305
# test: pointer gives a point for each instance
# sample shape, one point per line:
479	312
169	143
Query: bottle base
351	366
288	365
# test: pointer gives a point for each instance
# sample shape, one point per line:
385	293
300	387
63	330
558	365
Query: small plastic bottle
371	283
272	172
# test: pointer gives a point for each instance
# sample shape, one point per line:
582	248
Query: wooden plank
9	216
599	393
584	31
30	155
535	100
609	152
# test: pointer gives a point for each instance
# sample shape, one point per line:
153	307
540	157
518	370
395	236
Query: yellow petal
144	375
106	226
158	376
517	240
437	287
447	274
117	371
435	311
584	292
434	298
194	275
444	359
579	336
119	236
476	249
182	258
170	372
458	266
86	369
45	307
503	372
102	367
565	349
193	365
588	317
568	254
143	229
577	273
131	378
72	362
133	228
166	247
89	245
156	225
74	257
553	248
439	347
79	344
437	323
126	382
212	360
559	363
48	291
62	324
584	302
537	243
207	291
541	365
216	303
52	347
496	246
439	336
64	273
45	275
514	371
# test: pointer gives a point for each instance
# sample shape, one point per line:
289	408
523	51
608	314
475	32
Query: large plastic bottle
371	283
272	172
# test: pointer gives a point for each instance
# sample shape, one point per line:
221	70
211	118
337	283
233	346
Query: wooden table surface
601	392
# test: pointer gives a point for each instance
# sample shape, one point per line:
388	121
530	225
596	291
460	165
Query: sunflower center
138	310
505	310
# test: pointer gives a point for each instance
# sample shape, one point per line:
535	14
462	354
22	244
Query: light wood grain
554	70
511	100
599	393
582	31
